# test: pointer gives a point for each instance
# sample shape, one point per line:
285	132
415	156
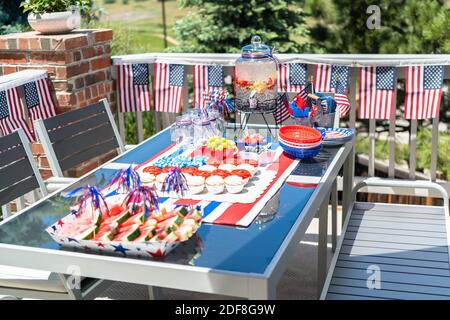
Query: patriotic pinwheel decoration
143	197
175	182
91	197
125	180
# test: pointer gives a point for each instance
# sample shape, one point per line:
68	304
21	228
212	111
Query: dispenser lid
257	49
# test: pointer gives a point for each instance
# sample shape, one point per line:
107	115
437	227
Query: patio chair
392	251
18	177
74	137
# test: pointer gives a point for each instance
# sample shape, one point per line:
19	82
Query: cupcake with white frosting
227	167
234	184
147	178
159	180
196	184
215	184
248	167
207	167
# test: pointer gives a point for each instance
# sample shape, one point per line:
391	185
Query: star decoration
120	248
100	245
73	240
54	227
60	223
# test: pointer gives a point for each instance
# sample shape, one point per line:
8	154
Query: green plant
42	6
227	25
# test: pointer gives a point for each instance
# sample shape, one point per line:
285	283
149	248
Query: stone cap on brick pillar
35	41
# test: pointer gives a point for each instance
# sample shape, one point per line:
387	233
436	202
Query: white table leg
154	293
334	204
322	248
349	173
259	289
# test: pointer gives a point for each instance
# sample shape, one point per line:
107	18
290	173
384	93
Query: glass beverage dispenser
256	78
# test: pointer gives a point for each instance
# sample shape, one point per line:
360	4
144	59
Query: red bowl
299	134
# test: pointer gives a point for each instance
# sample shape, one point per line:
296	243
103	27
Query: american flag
134	87
423	91
11	113
334	78
168	87
342	101
39	100
377	92
304	92
206	80
292	77
281	112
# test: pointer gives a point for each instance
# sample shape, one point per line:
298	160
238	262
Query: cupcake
207	167
215	184
234	184
227	167
147	178
159	180
248	167
244	174
196	184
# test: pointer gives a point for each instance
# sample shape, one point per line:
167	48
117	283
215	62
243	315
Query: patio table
220	259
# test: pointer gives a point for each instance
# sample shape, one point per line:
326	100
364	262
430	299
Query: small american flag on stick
169	81
134	87
39	100
423	91
281	112
11	113
377	92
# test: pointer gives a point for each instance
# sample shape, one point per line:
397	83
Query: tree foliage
11	17
227	25
406	26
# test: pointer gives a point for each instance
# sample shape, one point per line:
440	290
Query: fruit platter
215	171
254	142
131	222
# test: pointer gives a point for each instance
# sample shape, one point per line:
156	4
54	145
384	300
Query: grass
137	25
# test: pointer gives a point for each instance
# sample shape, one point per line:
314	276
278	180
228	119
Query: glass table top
247	250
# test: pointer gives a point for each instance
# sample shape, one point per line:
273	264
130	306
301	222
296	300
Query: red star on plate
60	223
101	245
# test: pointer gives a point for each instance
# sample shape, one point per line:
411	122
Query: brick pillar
79	66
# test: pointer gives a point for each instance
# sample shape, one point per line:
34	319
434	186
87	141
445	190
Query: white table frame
193	278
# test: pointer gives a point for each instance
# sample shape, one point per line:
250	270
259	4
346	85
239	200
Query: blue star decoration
120	248
54	228
72	240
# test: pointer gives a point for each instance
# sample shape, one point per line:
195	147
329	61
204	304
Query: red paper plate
299	134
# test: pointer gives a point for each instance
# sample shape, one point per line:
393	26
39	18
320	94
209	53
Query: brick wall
79	66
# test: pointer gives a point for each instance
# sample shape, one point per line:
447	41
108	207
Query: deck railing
162	120
354	62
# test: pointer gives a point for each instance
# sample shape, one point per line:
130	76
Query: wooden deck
409	245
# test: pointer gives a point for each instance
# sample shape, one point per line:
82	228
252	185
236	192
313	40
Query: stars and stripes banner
292	77
39	101
168	87
12	113
207	78
334	78
377	92
134	87
423	91
281	112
